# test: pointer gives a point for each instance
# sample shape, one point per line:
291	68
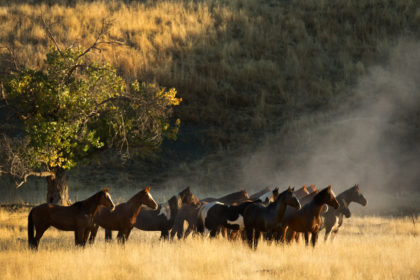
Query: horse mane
321	193
280	197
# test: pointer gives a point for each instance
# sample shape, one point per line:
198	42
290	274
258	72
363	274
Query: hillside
246	69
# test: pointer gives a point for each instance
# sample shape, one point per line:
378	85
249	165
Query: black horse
214	216
333	218
260	218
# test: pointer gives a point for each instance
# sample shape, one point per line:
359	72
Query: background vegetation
245	69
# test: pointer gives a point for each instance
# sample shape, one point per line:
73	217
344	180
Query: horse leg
249	236
79	235
213	233
314	238
39	232
187	232
290	234
256	238
108	235
164	234
86	235
307	238
333	234
93	233
121	237
297	237
327	233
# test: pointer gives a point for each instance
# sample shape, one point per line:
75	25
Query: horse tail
31	235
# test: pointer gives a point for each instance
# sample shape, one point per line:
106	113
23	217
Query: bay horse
163	218
307	220
333	218
77	217
123	218
260	218
236	197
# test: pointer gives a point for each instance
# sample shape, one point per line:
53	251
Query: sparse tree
74	108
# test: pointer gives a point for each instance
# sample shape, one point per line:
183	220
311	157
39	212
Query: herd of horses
274	215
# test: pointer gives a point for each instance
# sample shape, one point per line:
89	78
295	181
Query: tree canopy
74	108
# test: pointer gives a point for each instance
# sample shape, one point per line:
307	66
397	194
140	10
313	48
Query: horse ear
147	189
329	187
293	189
106	189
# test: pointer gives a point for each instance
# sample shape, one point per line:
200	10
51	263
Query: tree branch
47	28
38	174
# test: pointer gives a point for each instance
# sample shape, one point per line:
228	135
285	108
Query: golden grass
367	248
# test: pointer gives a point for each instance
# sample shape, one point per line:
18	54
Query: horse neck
174	210
316	206
280	209
346	197
91	205
134	204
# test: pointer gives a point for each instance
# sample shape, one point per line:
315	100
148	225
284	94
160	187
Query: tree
63	115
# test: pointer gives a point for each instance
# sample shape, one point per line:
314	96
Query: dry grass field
366	248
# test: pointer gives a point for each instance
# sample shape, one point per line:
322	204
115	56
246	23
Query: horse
312	188
302	192
308	218
188	198
268	197
333	218
236	197
260	218
163	218
256	195
187	213
123	217
77	217
214	216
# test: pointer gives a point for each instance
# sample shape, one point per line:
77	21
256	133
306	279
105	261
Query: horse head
329	197
148	200
290	198
175	202
188	197
357	196
106	200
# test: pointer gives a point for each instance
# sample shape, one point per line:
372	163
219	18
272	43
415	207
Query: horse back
62	217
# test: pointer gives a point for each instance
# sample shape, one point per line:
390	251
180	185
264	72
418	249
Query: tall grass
367	248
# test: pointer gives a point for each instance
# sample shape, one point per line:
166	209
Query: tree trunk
58	190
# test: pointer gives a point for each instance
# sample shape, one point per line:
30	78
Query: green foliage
75	108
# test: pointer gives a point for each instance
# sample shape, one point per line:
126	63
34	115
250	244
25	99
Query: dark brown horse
260	218
333	218
236	197
77	217
308	219
187	213
123	218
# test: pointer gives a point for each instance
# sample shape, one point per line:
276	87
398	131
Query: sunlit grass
366	248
